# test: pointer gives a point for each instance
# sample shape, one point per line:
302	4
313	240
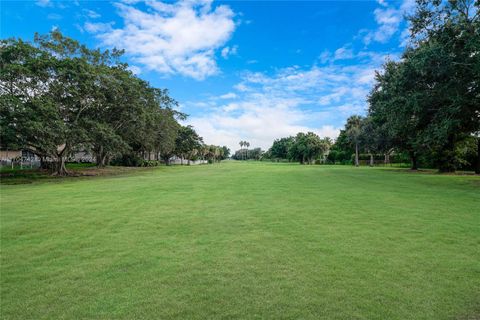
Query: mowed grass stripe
243	240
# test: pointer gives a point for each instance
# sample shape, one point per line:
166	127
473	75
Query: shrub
128	160
150	163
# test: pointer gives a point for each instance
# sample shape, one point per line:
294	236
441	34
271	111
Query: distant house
178	160
27	158
18	157
8	155
82	156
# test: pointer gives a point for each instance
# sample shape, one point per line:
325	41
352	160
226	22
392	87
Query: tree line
427	105
424	108
58	97
304	148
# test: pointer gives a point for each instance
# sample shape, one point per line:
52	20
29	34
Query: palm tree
221	153
247	144
241	143
354	128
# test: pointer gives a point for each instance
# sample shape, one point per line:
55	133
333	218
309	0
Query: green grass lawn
243	240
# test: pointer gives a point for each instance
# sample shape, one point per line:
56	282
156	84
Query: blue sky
242	70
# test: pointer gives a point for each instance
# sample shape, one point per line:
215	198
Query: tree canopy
57	97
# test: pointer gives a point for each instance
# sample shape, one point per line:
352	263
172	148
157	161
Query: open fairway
243	240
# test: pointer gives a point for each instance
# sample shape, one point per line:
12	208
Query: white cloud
229	95
55	4
343	54
43	3
54	16
405	37
135	69
382	3
389	20
325	56
97	27
266	106
92	14
229	51
172	38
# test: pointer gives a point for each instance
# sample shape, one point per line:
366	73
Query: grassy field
243	240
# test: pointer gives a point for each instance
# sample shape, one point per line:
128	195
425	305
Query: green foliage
304	148
248	154
187	143
281	147
128	160
429	102
225	152
308	147
151	163
57	96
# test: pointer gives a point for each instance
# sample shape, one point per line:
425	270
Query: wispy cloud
44	3
263	106
229	95
229	51
98	27
54	16
172	38
92	14
389	19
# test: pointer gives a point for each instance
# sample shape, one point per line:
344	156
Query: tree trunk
447	158
166	159
60	169
99	158
356	155
104	160
413	158
371	160
43	163
477	167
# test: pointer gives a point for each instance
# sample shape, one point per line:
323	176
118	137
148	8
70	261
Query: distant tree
58	97
187	141
353	130
225	152
241	143
307	147
341	151
253	154
428	102
280	148
49	86
166	132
